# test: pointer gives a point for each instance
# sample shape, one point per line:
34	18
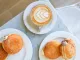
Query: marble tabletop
17	22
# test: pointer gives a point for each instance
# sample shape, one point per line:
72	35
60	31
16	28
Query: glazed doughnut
13	43
52	50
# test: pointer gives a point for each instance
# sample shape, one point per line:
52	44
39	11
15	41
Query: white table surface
17	22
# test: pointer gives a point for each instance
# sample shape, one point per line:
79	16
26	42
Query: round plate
33	28
26	52
60	35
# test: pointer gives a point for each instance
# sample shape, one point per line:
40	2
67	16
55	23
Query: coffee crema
41	15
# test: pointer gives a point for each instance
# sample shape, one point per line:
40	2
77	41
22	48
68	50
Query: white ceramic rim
27	12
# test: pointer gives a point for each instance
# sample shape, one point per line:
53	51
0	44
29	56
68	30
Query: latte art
41	15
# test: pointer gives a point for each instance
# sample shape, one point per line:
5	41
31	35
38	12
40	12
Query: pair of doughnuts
55	49
11	44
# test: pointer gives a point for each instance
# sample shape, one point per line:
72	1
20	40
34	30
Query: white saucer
33	28
27	50
53	36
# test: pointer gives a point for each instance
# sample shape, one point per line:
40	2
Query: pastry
52	50
41	15
70	41
68	49
13	43
3	54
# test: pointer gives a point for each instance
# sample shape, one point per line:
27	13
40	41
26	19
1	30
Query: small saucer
33	28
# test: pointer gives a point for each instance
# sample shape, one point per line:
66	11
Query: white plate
27	50
55	35
33	28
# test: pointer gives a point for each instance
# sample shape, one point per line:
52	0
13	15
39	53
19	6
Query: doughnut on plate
26	52
58	35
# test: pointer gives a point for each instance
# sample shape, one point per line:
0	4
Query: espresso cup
40	14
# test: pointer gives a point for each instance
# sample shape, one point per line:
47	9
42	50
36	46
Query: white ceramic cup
33	28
